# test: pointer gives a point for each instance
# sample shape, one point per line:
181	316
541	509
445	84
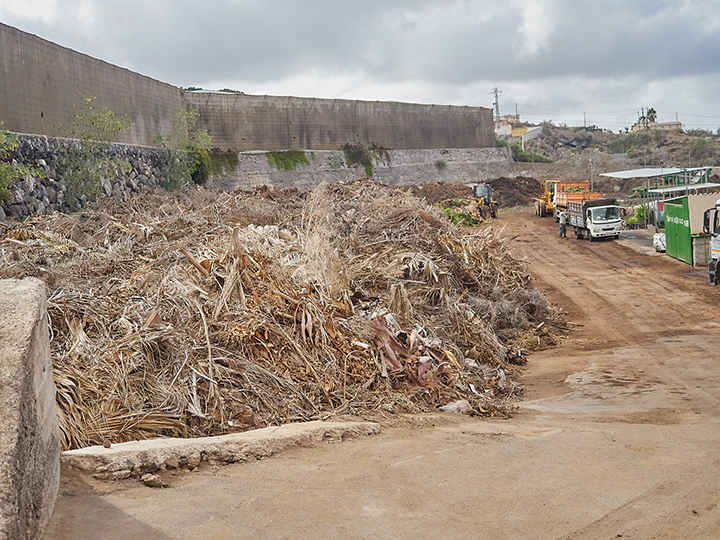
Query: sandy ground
616	437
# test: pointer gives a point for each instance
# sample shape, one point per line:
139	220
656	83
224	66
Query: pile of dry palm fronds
200	313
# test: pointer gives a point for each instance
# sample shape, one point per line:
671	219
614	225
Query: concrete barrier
397	168
29	432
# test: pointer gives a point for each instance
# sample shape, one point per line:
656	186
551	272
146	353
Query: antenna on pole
497	93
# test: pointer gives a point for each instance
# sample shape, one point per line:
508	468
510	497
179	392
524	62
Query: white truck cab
595	219
711	225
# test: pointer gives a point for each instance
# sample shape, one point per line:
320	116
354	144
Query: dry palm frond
184	315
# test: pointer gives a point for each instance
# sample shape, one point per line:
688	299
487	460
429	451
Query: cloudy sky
567	61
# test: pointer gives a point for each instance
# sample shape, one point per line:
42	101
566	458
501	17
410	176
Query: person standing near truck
563	224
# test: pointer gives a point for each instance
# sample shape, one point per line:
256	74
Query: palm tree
651	114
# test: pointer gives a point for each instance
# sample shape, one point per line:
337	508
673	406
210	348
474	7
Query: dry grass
200	313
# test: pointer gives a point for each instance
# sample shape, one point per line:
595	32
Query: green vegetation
622	144
531	157
700	147
458	217
90	124
223	163
230	91
189	160
640	213
336	159
451	208
198	164
359	155
86	162
10	172
700	132
289	160
441	164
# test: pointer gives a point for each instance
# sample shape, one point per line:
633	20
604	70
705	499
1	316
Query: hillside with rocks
565	144
580	152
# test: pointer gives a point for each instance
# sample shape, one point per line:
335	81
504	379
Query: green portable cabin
684	237
678	240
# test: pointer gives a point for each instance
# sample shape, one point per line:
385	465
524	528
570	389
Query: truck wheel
592	238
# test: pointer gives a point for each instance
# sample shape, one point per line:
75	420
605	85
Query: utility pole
497	93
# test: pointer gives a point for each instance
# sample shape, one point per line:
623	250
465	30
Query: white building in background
504	124
662	126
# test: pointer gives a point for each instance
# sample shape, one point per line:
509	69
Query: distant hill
563	144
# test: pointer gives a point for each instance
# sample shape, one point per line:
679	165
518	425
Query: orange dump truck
563	198
556	193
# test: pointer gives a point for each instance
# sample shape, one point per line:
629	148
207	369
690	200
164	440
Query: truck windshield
606	213
481	191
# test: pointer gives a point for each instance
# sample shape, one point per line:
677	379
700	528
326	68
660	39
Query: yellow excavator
487	206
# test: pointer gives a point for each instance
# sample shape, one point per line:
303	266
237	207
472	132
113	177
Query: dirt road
617	435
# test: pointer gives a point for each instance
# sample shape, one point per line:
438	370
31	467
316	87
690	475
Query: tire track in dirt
650	342
622	295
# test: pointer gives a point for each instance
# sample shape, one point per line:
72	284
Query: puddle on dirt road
671	373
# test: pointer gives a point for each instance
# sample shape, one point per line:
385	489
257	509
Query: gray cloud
555	58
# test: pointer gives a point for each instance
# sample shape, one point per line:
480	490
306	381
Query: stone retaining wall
34	195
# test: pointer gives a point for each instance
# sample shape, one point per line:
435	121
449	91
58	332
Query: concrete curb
29	432
140	457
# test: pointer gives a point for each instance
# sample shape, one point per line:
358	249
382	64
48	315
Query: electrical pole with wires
497	93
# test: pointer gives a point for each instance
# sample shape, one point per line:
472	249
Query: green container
678	242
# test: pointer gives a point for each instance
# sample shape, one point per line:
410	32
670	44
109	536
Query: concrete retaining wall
244	122
40	81
397	168
29	433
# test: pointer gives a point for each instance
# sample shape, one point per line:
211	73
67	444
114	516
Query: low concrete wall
29	432
397	168
701	251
